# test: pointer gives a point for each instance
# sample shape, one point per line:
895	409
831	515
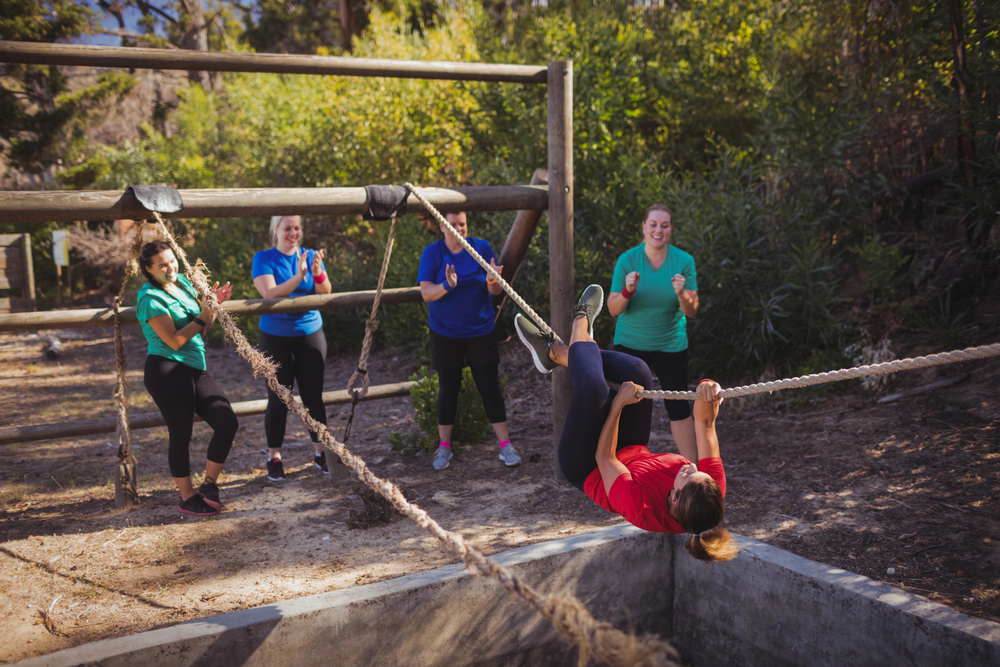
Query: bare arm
431	291
607	444
176	339
688	298
706	409
617	303
492	286
324	287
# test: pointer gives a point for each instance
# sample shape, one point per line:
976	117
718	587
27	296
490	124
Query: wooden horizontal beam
220	61
67	206
14	434
104	317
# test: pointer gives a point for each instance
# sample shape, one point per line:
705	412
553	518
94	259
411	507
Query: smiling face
656	229
460	224
687	474
163	267
289	233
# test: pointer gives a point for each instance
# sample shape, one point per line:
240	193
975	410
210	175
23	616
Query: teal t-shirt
653	321
182	309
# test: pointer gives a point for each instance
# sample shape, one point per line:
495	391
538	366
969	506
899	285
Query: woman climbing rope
462	321
654	289
176	376
602	449
295	341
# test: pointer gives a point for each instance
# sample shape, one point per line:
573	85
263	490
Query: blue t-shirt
283	267
466	311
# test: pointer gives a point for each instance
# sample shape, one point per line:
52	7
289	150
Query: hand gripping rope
568	615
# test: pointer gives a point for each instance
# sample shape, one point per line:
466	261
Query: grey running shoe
442	458
589	305
536	342
509	456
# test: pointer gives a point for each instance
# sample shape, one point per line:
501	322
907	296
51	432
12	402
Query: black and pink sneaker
209	491
197	506
320	461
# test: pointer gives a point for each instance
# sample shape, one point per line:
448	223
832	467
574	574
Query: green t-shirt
653	321
182	309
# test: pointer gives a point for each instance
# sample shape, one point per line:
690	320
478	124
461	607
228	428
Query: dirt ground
827	474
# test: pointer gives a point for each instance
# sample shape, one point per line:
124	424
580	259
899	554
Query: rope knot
371	325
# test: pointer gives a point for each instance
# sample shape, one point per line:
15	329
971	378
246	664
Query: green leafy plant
471	422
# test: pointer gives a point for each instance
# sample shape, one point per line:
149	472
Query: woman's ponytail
713	545
699	510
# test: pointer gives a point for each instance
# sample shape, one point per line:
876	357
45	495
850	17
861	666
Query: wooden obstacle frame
16	273
550	189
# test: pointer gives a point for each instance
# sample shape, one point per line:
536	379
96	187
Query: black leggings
672	370
302	359
181	392
589	369
482	355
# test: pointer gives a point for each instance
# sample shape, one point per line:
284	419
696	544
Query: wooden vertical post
29	273
59	284
561	297
518	240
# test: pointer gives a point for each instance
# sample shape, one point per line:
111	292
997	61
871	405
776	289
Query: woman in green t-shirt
653	291
175	375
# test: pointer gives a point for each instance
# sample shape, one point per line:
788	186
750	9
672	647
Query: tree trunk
346	25
965	150
196	38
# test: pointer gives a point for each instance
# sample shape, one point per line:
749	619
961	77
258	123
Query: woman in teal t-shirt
175	375
653	291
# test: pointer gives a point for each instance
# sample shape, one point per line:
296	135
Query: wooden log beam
103	317
518	240
14	434
67	206
561	275
220	61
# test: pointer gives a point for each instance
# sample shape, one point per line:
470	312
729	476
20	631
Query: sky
131	16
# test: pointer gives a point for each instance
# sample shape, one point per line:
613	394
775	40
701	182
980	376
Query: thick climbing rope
942	358
490	271
968	354
568	615
370	327
121	398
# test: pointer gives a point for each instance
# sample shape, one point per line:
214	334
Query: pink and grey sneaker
196	505
209	492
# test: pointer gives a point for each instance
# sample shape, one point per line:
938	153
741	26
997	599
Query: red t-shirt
640	495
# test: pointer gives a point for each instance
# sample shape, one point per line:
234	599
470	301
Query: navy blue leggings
590	368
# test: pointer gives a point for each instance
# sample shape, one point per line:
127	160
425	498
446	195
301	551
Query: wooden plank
12	251
561	276
15	304
219	61
7	240
11	264
518	240
103	317
15	281
84	427
67	206
29	274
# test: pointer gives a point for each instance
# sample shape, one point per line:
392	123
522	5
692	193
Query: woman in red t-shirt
602	449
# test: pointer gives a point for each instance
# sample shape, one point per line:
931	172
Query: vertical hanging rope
568	615
121	396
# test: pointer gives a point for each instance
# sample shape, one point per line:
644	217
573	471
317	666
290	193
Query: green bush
471	422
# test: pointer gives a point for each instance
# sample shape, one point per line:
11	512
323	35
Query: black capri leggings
482	355
302	359
589	369
672	370
181	392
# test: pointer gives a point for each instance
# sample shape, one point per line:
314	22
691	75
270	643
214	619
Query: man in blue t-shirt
457	291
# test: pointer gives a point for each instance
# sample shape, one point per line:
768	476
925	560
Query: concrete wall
440	617
767	608
771	608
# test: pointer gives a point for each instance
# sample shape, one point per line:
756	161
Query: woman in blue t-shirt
295	341
175	375
653	291
457	291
